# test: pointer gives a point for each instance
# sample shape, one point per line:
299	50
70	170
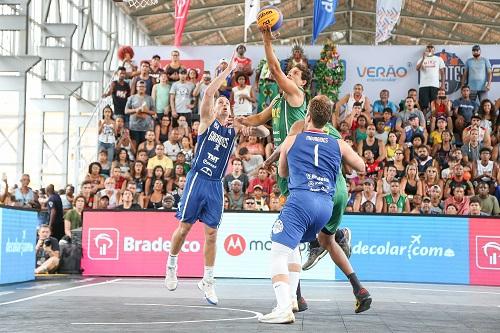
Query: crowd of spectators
426	154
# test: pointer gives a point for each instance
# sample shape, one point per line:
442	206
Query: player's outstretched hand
267	34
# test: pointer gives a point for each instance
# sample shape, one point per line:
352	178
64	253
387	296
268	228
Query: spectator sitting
394	196
441	151
381	134
187	150
411	130
412	92
384	184
73	217
126	143
162	129
381	104
374	168
128	201
149	145
368	194
355	98
483	135
459	200
437	204
158	173
262	180
424	161
168	202
367	207
489	118
359	127
111	191
172	181
201	87
141	109
138	196
463	110
399	163
103	202
451	209
67	198
250	162
236	195
95	177
412	148
403	116
426	208
142	156
489	203
180	97
87	194
179	189
391	146
4	191
260	199
242	96
122	161
172	146
104	163
389	120
237	173
226	86
436	135
484	167
24	196
392	208
47	251
138	176
160	160
441	107
120	181
416	204
250	204
475	207
275	204
457	179
254	146
155	200
181	160
345	130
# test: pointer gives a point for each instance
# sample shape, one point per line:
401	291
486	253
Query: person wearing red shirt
263	180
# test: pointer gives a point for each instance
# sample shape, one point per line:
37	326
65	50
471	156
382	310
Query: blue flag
324	15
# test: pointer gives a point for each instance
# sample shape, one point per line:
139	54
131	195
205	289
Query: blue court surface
76	304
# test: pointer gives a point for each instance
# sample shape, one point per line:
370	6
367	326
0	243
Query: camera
47	242
442	97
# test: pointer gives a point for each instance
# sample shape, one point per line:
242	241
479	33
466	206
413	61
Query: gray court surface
144	305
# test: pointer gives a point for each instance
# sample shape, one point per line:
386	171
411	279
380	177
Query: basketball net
141	3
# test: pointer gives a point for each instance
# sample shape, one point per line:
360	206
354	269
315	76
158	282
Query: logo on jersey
235	244
277	227
219	140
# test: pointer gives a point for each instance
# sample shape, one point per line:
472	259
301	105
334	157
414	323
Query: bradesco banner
17	244
137	243
409	248
484	242
244	248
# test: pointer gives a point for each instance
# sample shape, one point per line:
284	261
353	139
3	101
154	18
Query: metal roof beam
192	9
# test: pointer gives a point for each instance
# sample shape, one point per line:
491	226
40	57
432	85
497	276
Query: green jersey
332	131
284	116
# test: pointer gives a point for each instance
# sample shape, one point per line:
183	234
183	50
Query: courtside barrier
405	248
17	244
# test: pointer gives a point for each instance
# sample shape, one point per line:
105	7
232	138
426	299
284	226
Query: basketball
270	16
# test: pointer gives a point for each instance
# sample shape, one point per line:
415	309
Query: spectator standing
144	76
120	92
107	132
155	70
201	87
181	97
67	198
477	74
126	56
174	66
225	87
432	76
24	195
243	64
56	213
47	251
141	109
242	96
73	217
161	96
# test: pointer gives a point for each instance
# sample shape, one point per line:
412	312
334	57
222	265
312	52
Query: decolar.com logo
415	248
19	246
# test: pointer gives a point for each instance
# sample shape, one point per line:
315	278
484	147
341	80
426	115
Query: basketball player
202	198
331	239
312	162
284	110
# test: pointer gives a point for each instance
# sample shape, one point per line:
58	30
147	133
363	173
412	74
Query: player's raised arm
287	85
207	103
350	157
283	163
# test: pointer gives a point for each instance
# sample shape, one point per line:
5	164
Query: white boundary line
255	316
57	292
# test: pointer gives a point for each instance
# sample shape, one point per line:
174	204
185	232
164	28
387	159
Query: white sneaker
208	287
295	305
171	278
279	316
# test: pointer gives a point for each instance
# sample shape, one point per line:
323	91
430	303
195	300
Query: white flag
252	7
388	12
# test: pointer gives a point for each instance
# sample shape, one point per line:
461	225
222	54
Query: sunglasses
250	202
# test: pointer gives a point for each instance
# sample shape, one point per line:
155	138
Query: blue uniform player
203	195
312	161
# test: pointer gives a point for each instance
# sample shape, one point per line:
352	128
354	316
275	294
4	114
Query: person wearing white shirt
432	76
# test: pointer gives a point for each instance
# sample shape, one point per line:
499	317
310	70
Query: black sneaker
343	238
302	304
315	254
363	300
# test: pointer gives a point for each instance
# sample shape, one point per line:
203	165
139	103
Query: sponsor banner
17	244
137	244
244	248
387	67
484	243
409	248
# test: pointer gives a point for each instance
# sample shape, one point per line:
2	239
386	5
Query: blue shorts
202	199
303	216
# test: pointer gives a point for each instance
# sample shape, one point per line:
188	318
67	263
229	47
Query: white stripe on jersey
188	195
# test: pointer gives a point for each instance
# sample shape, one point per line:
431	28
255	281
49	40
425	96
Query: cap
476	47
441	118
412	116
476	115
258	186
426	199
368	181
223	60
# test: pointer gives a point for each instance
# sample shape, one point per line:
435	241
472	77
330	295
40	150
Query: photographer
47	251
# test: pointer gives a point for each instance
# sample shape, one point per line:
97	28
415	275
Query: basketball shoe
279	316
171	278
208	287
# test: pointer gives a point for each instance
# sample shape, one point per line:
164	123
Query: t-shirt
54	244
466	108
165	163
182	92
404	117
141	123
429	72
243	178
477	70
172	149
254	162
74	217
55	203
378	107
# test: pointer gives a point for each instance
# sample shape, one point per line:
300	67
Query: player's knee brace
294	256
279	259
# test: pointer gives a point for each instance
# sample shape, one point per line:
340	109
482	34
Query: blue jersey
314	162
213	151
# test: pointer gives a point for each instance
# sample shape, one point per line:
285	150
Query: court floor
105	304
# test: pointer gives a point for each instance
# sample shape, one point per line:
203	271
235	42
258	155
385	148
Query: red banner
484	243
137	244
181	13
